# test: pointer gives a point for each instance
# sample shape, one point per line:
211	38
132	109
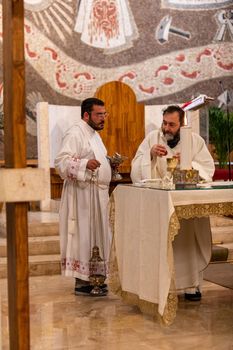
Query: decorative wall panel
167	51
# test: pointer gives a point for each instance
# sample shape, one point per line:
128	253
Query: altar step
222	235
40	224
222	230
39	265
43	244
44	249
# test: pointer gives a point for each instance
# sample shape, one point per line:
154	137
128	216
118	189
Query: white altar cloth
145	222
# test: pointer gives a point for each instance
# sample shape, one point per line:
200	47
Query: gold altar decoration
184	179
200	210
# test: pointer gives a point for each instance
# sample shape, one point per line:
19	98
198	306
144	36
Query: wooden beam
18	185
15	157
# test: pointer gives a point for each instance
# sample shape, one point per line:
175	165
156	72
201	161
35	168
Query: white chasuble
79	197
145	168
192	246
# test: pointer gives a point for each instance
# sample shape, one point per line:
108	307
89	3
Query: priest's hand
158	151
177	156
93	164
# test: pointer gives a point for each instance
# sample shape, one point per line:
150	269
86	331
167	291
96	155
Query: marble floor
61	320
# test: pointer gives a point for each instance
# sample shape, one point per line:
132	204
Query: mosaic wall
166	51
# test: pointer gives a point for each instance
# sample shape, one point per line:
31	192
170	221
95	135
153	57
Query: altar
145	221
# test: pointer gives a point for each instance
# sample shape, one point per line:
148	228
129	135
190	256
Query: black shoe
79	283
193	297
85	290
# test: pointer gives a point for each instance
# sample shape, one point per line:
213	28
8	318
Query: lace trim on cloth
172	299
73	167
113	278
181	212
200	210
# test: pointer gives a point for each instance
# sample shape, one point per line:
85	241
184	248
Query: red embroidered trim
73	167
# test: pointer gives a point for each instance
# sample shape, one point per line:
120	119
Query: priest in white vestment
192	245
82	154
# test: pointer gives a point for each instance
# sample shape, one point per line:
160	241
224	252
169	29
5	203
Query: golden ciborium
97	273
186	179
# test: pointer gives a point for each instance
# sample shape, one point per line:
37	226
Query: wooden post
15	157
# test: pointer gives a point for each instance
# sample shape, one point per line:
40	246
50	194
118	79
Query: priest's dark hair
175	108
88	104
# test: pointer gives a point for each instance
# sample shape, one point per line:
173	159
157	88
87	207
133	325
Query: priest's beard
95	126
172	140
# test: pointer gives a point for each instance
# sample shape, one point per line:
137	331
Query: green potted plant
220	132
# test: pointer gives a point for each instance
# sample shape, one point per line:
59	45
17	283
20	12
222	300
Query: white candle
185	148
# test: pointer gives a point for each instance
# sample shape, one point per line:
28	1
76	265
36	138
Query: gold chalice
167	181
115	161
172	164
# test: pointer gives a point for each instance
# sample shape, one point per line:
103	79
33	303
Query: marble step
222	234
39	224
39	265
221	221
37	245
222	229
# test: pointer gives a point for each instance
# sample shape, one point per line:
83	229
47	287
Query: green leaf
220	131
